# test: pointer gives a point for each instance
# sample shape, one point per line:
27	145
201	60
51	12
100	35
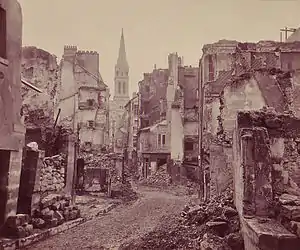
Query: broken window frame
90	102
91	124
211	73
163	140
159	140
188	146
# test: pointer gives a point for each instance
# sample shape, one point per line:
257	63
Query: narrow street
121	224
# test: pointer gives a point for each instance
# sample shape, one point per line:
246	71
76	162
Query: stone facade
244	76
83	97
11	128
40	68
266	180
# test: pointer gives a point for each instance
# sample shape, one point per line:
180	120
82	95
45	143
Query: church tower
121	81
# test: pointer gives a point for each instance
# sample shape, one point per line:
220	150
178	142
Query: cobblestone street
121	224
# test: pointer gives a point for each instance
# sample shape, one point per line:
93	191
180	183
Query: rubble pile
101	160
18	226
212	225
52	175
124	191
160	178
54	210
288	211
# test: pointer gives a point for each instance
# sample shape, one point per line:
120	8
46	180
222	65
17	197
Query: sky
152	28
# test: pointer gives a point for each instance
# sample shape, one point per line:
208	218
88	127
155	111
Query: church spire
122	60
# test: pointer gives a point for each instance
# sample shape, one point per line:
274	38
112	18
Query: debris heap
212	225
54	210
101	160
124	191
52	176
160	178
287	210
18	226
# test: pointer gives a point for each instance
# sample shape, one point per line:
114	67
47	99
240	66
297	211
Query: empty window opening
119	87
189	146
210	68
90	102
3	48
159	139
90	124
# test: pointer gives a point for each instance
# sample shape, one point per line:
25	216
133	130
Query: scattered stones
291	212
54	210
160	178
288	199
18	226
208	226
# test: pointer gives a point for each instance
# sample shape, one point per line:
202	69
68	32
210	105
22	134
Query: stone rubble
288	212
52	176
159	178
101	160
54	210
206	226
18	226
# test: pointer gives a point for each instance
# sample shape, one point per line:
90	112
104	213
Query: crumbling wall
266	173
53	174
40	68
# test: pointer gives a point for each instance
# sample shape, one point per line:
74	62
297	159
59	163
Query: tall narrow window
119	87
124	88
159	140
210	68
3	33
163	139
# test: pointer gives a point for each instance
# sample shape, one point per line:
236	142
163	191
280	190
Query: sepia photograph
150	125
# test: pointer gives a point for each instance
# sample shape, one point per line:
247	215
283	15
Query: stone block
66	214
55	206
28	229
48	200
38	223
269	235
288	199
73	214
59	216
295	226
17	220
52	223
49	215
291	212
21	232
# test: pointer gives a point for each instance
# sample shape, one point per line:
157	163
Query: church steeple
122	59
122	73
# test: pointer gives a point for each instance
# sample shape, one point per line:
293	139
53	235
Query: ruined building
121	96
131	128
152	136
243	76
40	68
12	130
82	103
169	116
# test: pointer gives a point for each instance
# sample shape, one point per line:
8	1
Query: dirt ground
124	223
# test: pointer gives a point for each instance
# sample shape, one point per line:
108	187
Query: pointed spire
122	60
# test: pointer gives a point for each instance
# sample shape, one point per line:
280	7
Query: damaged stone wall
40	68
266	173
53	173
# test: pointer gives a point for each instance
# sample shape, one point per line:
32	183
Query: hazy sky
152	28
